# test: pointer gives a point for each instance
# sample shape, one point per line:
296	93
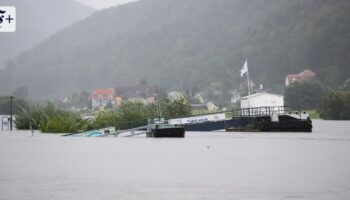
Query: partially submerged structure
270	119
265	112
261	112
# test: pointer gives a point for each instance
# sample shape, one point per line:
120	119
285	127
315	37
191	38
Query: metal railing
260	111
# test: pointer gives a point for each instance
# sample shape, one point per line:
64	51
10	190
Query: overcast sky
99	4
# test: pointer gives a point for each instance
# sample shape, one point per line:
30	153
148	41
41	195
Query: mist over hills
184	43
37	20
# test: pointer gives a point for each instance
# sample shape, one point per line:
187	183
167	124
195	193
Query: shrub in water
50	119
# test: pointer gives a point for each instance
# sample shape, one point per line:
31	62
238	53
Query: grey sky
99	4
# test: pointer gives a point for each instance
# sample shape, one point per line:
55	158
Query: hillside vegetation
185	43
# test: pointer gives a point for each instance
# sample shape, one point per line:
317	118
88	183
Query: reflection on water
202	166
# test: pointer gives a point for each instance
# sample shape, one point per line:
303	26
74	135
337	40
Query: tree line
312	94
49	118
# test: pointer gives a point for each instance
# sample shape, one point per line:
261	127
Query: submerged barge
160	128
166	131
258	119
270	119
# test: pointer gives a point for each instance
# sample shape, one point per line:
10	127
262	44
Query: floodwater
201	166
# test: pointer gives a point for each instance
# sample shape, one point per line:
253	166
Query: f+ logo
7	19
2	16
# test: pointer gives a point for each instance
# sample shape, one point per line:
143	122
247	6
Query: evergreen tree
304	95
335	106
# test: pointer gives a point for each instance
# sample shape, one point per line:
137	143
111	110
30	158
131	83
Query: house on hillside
174	95
262	100
235	96
139	93
62	99
138	97
212	107
199	98
306	74
100	98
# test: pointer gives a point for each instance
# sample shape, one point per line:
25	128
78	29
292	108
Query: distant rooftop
306	74
103	92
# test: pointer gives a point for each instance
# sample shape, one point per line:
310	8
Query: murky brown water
201	166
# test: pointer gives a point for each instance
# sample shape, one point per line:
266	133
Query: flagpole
248	78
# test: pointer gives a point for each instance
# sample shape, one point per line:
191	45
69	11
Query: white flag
245	68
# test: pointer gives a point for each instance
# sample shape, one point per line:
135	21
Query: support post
11	111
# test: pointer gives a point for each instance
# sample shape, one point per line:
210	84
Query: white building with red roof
103	97
306	74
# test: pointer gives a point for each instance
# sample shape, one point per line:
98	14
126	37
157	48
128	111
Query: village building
306	74
212	107
100	98
174	95
5	122
235	96
62	99
118	101
139	93
199	98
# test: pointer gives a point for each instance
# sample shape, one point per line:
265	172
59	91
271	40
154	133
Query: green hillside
183	43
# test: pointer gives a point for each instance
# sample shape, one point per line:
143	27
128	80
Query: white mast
248	77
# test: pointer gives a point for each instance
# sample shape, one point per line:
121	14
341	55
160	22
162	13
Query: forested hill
36	21
182	43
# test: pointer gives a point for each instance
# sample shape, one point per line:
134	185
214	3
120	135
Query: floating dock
270	119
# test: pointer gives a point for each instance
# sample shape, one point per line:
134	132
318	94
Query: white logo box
8	19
